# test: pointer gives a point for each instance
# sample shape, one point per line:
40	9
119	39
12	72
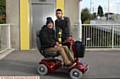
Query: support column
24	25
60	5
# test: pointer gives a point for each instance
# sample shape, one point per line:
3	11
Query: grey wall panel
12	10
39	13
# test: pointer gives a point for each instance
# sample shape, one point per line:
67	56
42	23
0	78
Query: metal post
9	37
80	25
90	6
86	43
113	36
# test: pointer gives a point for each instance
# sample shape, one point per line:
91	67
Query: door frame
31	16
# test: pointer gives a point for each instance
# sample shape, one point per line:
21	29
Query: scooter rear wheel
42	69
75	73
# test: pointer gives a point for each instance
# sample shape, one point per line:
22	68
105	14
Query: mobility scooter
50	63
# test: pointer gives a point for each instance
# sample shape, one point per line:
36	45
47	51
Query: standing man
62	24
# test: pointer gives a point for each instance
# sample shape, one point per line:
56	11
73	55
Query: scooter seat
47	54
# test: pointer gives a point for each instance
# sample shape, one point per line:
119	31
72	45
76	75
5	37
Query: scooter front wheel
75	73
42	69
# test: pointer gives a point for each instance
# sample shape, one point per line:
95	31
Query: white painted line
5	53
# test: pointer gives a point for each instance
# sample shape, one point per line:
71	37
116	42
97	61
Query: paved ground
24	63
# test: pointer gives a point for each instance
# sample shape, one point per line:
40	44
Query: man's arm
47	40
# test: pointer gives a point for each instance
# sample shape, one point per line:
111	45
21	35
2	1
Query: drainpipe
80	24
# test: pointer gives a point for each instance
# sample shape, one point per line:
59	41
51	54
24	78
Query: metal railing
101	35
5	40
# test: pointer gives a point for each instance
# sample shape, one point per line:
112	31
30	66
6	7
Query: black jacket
65	26
47	37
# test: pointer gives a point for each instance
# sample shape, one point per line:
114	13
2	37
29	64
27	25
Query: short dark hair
58	10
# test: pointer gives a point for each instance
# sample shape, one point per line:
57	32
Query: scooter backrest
38	40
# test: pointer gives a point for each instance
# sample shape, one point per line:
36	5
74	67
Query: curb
5	52
103	49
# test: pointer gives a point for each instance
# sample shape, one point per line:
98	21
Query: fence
101	35
93	35
5	40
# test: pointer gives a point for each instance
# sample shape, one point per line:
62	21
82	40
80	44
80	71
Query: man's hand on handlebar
57	44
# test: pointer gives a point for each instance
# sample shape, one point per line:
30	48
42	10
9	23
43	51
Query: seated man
49	43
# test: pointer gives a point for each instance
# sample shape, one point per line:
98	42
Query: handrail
101	24
5	24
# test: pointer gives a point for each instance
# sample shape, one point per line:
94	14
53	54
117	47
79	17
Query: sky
114	5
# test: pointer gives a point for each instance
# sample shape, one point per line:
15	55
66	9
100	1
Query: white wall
12	10
72	10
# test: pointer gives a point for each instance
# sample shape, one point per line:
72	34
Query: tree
94	16
85	16
2	11
100	11
2	6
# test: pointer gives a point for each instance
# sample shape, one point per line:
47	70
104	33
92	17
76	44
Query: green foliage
85	15
2	2
94	16
87	22
2	11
